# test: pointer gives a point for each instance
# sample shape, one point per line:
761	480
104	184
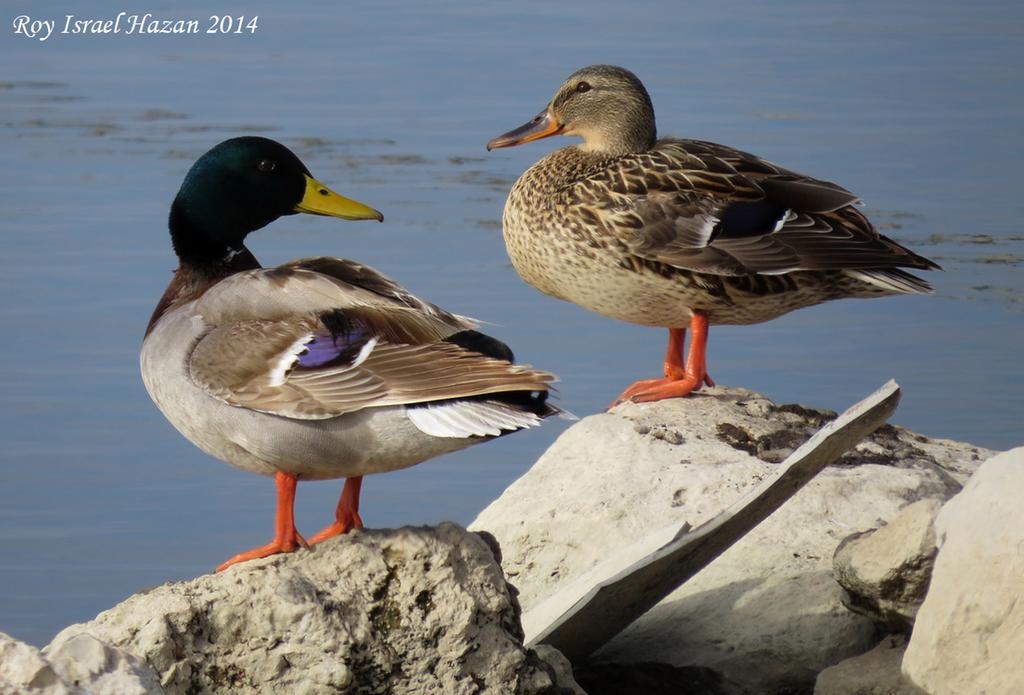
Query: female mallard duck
674	232
319	368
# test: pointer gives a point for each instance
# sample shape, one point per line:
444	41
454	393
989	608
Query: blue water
916	107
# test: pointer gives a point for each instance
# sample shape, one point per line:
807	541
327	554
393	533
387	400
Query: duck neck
204	244
561	168
203	260
632	132
618	142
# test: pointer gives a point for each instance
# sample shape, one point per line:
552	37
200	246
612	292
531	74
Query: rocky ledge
411	610
827	589
768	615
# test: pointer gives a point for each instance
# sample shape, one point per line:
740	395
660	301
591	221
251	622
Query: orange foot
680	380
648	390
347	514
278	545
286	536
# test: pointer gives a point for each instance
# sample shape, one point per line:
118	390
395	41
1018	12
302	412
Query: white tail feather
469	418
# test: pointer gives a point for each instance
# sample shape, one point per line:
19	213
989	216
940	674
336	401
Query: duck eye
583	87
266	165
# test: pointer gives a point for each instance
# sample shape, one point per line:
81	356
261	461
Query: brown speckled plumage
652	231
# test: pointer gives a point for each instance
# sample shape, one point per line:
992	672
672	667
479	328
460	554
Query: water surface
915	107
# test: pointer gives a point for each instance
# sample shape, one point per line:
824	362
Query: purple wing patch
324	349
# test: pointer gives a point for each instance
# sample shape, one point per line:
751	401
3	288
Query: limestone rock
874	673
100	668
82	665
412	610
886	571
767	612
969	634
23	669
559	668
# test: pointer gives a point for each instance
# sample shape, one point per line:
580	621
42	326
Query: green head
244	184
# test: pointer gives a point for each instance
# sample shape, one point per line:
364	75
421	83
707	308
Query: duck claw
275	547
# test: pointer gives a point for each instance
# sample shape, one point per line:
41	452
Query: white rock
23	669
101	668
82	665
886	571
559	665
969	634
412	610
767	612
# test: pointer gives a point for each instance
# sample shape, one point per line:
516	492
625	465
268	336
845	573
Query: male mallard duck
674	232
319	368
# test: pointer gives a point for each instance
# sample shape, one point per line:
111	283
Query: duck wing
321	337
713	209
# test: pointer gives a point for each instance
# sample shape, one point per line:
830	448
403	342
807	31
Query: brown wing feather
290	291
367	278
260	322
264	376
665	204
422	373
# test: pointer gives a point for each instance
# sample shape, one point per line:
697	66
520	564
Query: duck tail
893	280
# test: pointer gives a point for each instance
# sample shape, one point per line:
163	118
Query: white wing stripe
287	359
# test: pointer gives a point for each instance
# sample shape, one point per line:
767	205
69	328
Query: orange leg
286	537
680	380
347	514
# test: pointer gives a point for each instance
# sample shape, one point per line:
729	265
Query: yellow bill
321	200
